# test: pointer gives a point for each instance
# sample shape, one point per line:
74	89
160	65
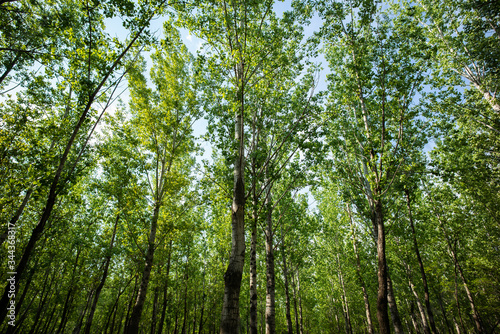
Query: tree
372	120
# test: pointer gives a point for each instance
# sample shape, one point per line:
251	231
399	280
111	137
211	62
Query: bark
135	317
297	329
443	311
382	303
71	289
230	317
44	295
345	306
420	308
17	215
359	270
79	324
287	288
165	291
300	305
488	97
253	264
393	307
155	309
421	266
270	279
451	249
475	312
203	296
114	308
90	317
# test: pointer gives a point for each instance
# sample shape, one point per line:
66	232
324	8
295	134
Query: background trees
378	195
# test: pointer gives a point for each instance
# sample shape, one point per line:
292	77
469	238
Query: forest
250	166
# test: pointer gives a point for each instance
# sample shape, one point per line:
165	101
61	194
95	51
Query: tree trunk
420	308
359	270
270	279
345	306
165	290
68	295
230	317
421	265
396	319
287	288
382	303
253	263
475	312
17	215
90	317
135	317
300	305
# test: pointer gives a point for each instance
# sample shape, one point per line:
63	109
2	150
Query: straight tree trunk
230	317
17	215
300	305
421	266
135	317
475	312
69	295
253	263
393	307
270	279
103	279
451	249
371	330
165	290
382	302
345	306
287	288
420	308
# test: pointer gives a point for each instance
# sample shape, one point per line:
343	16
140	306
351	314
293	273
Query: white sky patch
189	37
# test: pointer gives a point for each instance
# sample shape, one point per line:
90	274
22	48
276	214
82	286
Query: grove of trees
361	195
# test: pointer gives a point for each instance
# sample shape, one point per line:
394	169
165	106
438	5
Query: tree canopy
360	195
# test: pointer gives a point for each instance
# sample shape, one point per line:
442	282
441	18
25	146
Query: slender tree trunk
382	302
203	296
155	310
184	317
253	263
371	330
300	305
295	308
17	215
90	317
79	324
270	279
413	318
230	317
421	266
420	308
165	291
287	288
475	312
43	299
114	308
443	311
135	317
345	306
393	307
